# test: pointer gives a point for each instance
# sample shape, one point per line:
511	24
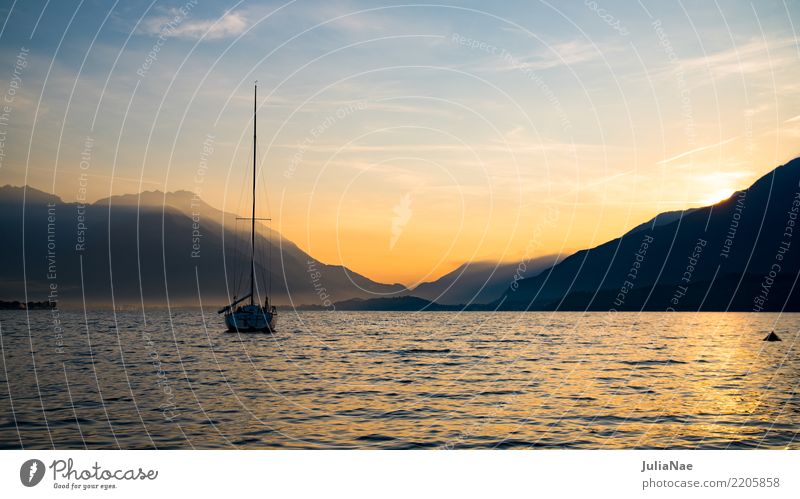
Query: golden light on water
360	380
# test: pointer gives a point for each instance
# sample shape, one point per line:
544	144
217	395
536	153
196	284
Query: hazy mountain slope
479	282
149	247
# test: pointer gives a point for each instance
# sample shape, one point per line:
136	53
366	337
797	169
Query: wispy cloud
174	25
493	147
756	58
566	54
695	150
553	55
343	17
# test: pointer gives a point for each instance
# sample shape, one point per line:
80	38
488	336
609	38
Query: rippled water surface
400	380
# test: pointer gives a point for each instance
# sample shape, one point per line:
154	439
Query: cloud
491	147
566	54
696	150
570	53
756	56
177	25
341	16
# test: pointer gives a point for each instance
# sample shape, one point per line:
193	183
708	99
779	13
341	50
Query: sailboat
252	316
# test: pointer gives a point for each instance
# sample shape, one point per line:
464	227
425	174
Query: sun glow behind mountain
718	196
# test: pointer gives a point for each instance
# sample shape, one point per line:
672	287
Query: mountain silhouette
739	254
746	242
478	282
139	248
394	304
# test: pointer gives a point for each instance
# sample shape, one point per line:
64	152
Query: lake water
400	380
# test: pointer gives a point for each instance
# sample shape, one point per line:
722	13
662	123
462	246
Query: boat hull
251	319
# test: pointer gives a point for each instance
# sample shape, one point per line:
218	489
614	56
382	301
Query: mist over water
400	380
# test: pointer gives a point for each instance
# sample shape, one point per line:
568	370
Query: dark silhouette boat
252	316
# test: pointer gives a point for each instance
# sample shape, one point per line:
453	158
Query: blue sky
483	115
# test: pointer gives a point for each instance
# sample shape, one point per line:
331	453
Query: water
400	380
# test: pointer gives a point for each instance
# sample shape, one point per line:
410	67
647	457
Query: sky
402	140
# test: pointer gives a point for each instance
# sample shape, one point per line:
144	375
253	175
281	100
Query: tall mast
253	217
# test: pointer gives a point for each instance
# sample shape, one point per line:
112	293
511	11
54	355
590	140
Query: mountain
731	292
157	248
394	304
662	219
739	254
479	282
747	242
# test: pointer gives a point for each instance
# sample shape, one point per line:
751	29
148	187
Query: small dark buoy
772	337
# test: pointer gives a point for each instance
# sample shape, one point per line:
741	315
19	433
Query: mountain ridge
123	253
720	257
736	241
741	235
